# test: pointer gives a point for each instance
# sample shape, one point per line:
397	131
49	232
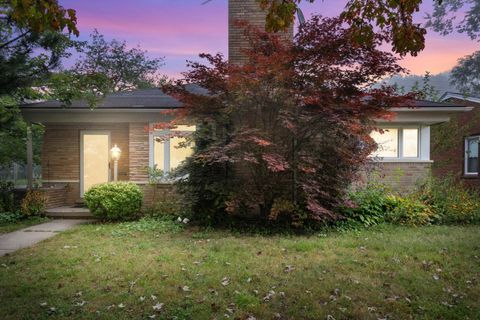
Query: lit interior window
170	153
387	142
159	154
410	143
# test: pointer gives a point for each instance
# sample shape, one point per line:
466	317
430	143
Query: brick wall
139	152
402	177
153	193
55	196
449	156
249	11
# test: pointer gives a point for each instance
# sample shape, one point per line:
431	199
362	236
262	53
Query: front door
94	159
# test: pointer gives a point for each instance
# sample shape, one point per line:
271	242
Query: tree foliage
284	135
34	37
395	18
466	74
31	42
104	67
124	68
462	16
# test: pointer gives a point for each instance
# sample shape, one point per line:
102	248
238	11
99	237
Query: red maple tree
283	136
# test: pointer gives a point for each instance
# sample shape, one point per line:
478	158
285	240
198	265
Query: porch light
116	152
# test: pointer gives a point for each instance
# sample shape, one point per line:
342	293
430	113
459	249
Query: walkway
27	237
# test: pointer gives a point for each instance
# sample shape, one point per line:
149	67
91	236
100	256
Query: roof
433	104
137	99
155	98
460	96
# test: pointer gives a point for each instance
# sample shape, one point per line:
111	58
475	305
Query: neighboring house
460	156
78	140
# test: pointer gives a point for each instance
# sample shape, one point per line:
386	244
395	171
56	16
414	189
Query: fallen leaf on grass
289	268
225	281
158	307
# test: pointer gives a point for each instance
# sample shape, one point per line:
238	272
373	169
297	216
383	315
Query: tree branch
6	44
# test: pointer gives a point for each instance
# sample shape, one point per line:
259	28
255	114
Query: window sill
402	160
470	176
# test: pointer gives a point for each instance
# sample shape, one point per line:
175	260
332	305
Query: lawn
137	272
17	225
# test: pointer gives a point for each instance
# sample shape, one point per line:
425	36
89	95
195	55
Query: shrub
452	202
115	200
411	211
33	204
10	217
7	202
369	205
168	209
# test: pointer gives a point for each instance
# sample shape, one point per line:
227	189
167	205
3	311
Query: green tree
125	68
34	37
105	67
466	74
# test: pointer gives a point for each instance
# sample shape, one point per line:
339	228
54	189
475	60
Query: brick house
78	140
459	157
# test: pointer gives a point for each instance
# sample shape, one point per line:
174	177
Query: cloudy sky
180	29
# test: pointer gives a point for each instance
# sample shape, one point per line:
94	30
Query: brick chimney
249	11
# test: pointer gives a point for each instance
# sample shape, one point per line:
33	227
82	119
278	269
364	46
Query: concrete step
69	213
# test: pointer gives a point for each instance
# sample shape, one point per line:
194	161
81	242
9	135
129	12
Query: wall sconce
115	152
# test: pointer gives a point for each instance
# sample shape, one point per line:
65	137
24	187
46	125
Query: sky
178	30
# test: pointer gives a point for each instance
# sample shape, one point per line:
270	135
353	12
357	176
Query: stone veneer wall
249	11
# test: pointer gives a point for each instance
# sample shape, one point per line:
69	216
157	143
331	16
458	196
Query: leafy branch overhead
394	18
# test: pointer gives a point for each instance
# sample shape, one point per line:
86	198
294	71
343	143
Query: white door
94	159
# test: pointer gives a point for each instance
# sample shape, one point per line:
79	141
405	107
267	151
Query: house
78	140
458	156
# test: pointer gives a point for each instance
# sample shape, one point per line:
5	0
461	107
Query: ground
17	225
137	271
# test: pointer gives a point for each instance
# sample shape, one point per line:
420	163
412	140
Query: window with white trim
397	143
471	154
168	153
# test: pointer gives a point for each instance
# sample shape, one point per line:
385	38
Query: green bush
33	204
10	217
115	200
451	201
411	211
369	205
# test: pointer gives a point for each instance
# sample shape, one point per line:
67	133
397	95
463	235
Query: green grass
102	271
13	226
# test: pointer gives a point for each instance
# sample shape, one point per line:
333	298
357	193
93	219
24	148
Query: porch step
69	213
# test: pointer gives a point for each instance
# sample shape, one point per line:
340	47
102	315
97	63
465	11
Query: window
168	154
396	143
387	142
410	143
471	155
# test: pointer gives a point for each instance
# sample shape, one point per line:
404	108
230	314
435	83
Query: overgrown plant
33	204
452	202
291	124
